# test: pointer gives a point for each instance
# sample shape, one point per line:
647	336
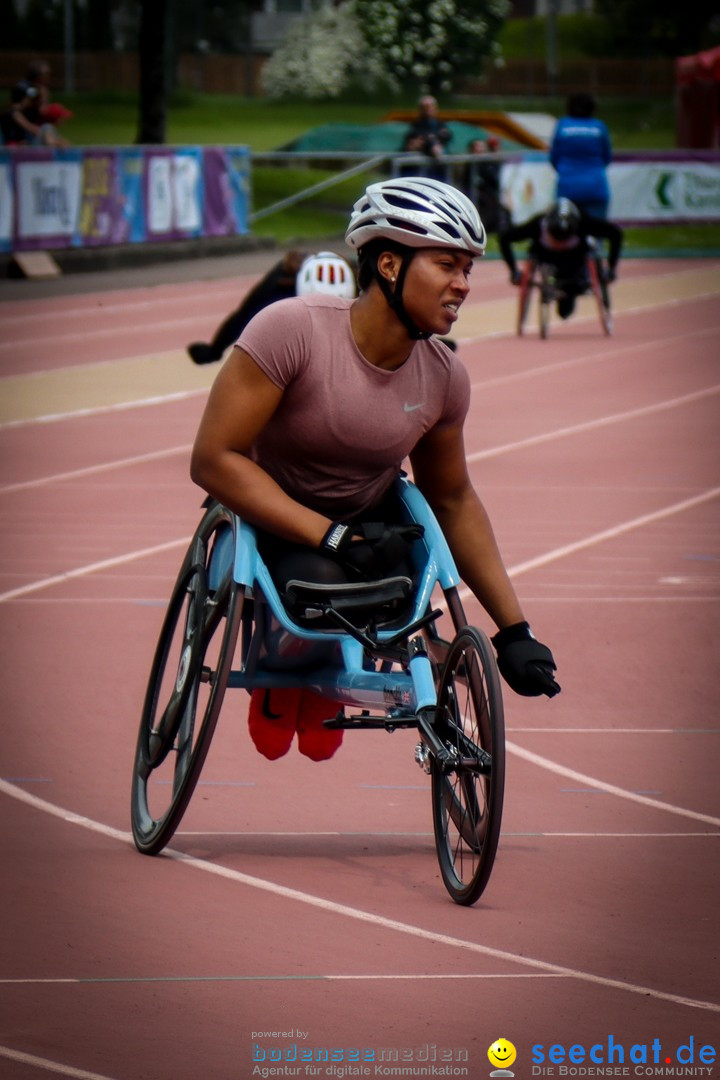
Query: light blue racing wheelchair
372	647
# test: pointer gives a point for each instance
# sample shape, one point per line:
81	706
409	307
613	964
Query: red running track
302	898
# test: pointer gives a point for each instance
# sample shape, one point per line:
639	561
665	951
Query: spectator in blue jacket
580	152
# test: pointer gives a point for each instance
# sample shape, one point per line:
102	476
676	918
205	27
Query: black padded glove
371	550
609	274
525	663
516	277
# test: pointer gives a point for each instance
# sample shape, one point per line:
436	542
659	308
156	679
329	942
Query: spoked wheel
601	293
187	684
467	788
525	291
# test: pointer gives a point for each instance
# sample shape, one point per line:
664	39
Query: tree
658	27
320	55
426	45
152	40
431	44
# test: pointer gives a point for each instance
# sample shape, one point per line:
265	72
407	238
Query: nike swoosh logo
412	408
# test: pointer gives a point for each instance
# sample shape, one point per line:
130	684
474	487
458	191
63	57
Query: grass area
265	125
111	119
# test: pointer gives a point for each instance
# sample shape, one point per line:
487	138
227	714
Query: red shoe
272	720
315	741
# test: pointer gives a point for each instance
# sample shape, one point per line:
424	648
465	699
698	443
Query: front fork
431	746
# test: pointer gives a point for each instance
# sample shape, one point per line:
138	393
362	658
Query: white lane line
479	455
613	731
99	333
49	1066
599	422
531	564
423	977
370	918
92	568
619	352
608	534
96	410
549	835
610	789
92	470
532	372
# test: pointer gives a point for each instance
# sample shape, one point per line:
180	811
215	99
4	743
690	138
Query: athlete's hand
371	550
516	277
609	274
525	663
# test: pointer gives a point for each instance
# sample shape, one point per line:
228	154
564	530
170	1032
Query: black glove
525	663
371	550
516	277
609	274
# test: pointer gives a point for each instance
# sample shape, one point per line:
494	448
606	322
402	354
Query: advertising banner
642	191
120	195
664	191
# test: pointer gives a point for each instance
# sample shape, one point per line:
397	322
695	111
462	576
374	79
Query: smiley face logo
502	1053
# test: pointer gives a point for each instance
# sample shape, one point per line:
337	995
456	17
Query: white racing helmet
419	213
326	273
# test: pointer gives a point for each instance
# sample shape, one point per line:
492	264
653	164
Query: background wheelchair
540	278
373	648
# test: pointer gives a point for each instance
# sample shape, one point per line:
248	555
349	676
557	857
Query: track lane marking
513	571
610	789
91	568
49	1066
357	914
478	455
87	380
92	470
600	422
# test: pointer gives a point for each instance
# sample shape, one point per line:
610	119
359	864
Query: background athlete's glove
371	550
525	663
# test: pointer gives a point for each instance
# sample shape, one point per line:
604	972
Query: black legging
288	562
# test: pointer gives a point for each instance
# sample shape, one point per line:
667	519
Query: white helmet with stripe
326	273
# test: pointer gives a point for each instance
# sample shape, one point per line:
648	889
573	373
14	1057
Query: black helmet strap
394	296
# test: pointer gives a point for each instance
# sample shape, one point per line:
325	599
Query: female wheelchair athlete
542	278
373	647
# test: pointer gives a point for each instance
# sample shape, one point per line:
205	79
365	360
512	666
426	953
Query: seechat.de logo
502	1054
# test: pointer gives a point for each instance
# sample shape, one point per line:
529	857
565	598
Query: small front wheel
468	785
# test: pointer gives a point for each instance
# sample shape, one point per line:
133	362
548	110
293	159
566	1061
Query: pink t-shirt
343	428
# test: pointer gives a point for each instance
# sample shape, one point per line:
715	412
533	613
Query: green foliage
659	27
417	45
576	36
321	54
432	44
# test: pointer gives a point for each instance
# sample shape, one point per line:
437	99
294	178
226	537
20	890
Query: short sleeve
277	339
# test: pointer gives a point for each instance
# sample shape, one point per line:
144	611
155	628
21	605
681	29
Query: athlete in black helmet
559	238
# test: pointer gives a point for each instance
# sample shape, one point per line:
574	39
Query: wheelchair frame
226	626
540	277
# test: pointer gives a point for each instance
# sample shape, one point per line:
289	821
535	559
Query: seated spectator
482	182
50	116
427	135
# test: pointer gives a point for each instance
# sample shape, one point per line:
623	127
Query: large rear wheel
598	283
468	785
187	684
524	293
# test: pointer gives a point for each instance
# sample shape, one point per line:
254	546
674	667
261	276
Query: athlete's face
436	284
